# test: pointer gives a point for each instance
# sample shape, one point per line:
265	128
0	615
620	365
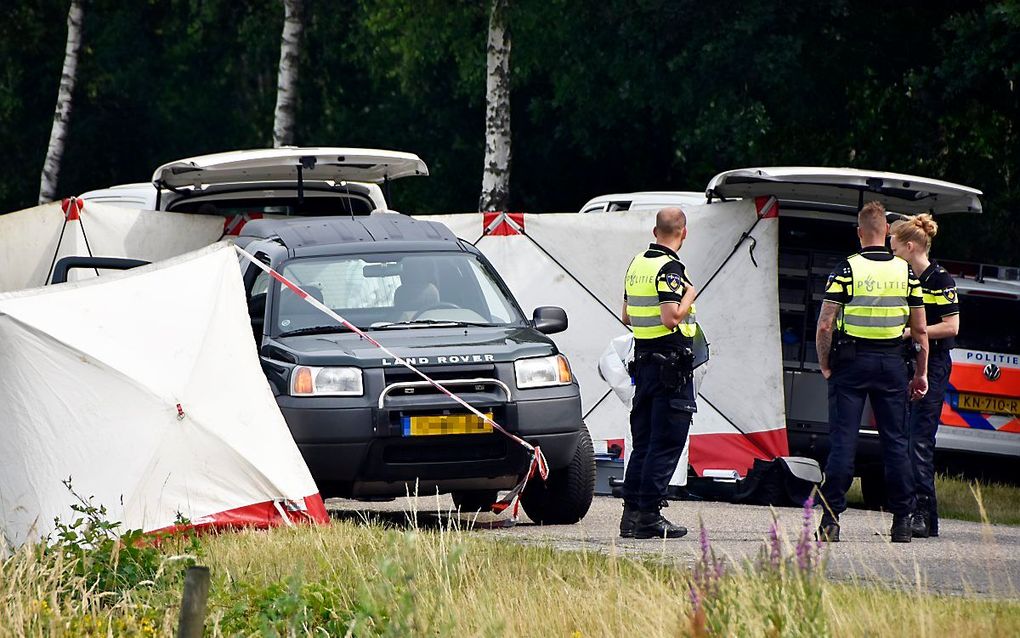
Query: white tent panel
741	411
467	226
144	234
743	367
145	389
597	249
54	398
609	420
28	239
169	300
536	281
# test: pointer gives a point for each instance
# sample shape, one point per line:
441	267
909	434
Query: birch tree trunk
496	175
55	150
286	91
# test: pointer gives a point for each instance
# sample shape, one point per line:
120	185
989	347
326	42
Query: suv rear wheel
563	498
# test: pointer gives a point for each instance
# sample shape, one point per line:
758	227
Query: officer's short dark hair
871	219
670	221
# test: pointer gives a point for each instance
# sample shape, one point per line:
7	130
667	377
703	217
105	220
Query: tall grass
365	580
956	499
999	502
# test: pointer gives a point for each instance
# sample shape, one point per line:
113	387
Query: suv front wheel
563	498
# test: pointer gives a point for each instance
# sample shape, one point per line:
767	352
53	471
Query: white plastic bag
613	367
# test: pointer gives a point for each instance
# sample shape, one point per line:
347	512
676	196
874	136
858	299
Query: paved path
968	558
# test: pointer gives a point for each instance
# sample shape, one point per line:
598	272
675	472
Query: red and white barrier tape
538	463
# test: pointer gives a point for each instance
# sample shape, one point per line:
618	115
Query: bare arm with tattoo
823	335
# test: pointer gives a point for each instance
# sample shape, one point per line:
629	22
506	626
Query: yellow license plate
441	424
989	404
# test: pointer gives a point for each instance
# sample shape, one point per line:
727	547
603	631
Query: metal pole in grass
196	593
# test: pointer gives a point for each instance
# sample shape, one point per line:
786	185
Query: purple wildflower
804	555
706	546
806	548
809	514
775	550
695	598
709	570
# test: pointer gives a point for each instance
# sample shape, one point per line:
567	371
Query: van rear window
284	206
989	324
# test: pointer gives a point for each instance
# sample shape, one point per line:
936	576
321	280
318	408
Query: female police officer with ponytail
910	240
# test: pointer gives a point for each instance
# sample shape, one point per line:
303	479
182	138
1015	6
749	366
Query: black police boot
654	525
901	531
920	523
828	530
628	522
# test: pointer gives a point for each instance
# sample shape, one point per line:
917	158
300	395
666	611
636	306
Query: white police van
644	200
817	213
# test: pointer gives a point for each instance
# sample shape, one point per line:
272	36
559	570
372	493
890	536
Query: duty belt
675	366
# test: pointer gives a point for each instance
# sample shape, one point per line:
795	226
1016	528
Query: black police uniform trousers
880	375
925	414
659	421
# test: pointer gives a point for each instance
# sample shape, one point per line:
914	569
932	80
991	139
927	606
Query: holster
675	368
843	349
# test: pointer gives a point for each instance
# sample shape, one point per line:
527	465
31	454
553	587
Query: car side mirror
550	319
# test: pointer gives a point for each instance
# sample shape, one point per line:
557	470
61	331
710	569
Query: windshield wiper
313	330
427	322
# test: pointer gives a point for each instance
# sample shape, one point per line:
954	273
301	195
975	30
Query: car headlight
334	382
542	371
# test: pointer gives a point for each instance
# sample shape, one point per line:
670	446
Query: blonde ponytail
920	229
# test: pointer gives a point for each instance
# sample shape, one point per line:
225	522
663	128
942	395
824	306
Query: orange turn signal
564	369
302	383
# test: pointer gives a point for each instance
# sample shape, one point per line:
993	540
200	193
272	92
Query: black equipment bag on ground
785	481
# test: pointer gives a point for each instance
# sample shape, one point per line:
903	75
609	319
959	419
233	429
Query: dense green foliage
607	96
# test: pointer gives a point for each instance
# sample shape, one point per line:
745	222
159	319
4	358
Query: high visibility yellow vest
878	308
643	300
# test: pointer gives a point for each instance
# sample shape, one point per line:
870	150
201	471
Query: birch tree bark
55	150
286	91
496	175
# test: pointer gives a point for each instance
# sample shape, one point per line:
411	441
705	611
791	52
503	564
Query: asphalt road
967	559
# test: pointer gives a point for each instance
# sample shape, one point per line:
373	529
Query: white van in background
817	211
646	200
287	181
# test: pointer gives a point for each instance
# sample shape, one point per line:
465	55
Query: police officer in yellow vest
659	307
869	299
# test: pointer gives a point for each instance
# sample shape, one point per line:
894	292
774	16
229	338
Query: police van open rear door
846	189
817	211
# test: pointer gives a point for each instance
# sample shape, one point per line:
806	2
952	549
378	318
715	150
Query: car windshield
394	291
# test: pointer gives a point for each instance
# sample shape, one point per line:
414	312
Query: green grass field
364	580
958	498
